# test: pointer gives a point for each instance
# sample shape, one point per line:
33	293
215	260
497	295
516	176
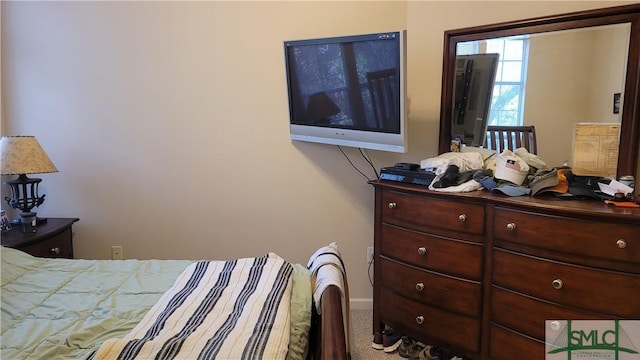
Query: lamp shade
24	155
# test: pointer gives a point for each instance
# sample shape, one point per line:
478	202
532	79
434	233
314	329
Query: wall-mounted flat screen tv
473	87
349	90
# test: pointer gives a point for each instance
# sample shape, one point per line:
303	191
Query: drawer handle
511	226
557	284
422	250
621	243
420	319
55	250
462	217
419	286
392	205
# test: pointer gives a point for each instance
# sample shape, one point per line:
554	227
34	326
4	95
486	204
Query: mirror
550	110
571	75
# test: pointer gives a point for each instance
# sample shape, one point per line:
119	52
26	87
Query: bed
249	308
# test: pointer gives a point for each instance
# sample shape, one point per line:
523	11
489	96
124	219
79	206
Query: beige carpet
362	321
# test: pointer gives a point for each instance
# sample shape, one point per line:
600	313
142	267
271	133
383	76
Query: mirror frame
630	121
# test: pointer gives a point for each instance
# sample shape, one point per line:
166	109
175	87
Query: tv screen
348	90
473	87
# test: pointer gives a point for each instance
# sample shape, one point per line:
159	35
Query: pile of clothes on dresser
517	173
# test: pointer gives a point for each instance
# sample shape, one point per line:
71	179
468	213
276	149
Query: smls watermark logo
592	339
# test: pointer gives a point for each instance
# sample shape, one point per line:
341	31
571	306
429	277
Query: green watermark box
592	339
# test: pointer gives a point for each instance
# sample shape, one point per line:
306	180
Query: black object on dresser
52	239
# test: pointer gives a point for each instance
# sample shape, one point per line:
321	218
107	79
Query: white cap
511	167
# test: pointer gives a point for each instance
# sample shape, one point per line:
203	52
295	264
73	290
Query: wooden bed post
328	338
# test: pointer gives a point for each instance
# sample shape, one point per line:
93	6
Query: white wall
609	71
169	121
571	78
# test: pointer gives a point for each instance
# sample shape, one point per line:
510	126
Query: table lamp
22	155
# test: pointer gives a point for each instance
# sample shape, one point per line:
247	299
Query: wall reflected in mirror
554	81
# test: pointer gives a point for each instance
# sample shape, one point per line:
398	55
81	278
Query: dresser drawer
458	330
597	239
527	315
431	288
444	255
508	345
407	210
57	246
607	292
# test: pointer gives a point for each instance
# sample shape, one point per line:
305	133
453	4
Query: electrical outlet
369	254
116	253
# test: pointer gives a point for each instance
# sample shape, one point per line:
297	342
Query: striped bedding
236	309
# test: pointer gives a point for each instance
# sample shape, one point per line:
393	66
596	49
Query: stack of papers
615	187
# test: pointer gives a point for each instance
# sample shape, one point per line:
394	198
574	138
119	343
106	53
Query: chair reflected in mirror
382	88
501	138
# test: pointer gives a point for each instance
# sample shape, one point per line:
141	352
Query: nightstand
53	239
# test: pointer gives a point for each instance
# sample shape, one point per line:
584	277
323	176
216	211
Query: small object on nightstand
28	221
6	224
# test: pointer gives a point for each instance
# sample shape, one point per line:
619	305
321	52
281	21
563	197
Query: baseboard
361	304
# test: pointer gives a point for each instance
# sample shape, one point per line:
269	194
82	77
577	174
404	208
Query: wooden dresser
480	273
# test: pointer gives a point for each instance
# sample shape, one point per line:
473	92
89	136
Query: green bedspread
61	309
64	309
